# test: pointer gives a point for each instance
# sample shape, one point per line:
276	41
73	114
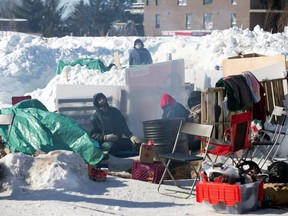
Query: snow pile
28	63
57	169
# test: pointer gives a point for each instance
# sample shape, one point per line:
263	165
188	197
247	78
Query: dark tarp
35	128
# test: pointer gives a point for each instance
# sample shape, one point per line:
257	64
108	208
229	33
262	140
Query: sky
57	183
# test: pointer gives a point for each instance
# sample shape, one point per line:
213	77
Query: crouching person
107	126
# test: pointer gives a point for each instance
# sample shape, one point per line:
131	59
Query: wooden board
239	65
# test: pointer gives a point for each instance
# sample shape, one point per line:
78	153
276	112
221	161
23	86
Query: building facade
203	15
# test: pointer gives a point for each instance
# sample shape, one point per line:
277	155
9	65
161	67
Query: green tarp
90	63
35	128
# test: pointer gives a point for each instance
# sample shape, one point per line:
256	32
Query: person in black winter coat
139	55
172	109
108	125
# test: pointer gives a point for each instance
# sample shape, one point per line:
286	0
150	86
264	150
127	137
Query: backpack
278	172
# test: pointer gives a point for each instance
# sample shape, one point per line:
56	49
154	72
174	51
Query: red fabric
166	99
17	99
259	109
218	147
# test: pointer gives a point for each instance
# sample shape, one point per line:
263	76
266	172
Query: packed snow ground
57	183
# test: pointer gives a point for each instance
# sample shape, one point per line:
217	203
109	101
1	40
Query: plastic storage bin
234	199
150	172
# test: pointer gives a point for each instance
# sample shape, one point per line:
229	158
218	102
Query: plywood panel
239	65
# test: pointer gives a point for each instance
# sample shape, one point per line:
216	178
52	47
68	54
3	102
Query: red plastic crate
232	198
151	172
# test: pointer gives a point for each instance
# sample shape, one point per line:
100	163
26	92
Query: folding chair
236	140
185	128
6	120
266	147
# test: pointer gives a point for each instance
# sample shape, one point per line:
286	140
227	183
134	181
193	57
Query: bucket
163	132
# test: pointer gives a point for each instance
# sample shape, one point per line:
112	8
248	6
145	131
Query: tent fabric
34	128
90	63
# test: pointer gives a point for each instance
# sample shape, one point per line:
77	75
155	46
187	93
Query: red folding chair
236	140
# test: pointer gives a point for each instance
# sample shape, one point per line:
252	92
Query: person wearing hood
107	126
172	109
194	104
139	55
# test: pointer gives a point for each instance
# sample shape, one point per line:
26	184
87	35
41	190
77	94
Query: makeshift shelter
35	128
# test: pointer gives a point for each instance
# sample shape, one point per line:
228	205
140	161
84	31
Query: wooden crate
210	97
275	92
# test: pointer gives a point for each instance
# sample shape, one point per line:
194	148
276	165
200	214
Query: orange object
98	175
233	198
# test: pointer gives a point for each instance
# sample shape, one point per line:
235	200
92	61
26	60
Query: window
188	21
233	20
157	2
208	21
234	2
182	2
157	21
206	2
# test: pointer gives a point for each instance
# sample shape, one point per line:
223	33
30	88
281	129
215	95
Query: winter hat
194	99
96	97
166	99
138	41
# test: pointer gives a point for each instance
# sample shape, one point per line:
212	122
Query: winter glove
110	137
135	139
136	147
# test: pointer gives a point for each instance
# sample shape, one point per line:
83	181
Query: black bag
278	172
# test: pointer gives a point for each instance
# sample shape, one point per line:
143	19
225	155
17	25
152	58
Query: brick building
207	15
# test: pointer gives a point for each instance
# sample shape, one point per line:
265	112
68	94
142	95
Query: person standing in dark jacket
108	125
139	55
172	109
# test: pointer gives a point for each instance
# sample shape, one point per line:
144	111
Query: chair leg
166	170
197	178
267	156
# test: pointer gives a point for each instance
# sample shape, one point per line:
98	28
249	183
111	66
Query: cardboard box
147	153
255	62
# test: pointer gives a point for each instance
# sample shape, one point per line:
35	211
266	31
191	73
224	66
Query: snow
57	183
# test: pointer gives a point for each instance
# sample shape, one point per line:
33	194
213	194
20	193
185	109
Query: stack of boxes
146	169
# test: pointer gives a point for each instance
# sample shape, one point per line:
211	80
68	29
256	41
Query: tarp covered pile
90	63
35	128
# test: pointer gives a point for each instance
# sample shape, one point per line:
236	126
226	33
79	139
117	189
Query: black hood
194	99
96	98
138	41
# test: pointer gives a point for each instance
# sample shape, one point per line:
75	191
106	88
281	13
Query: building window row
207	21
184	2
